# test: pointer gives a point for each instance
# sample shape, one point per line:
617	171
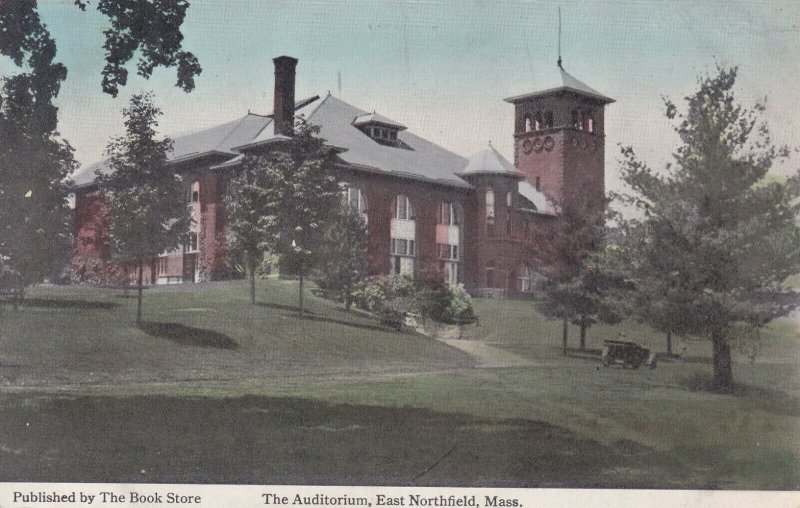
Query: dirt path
487	356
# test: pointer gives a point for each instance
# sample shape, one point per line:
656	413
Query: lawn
212	389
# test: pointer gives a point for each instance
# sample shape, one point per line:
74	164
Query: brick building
426	207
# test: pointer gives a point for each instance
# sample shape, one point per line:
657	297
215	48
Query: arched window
576	119
548	119
529	280
525	279
490	274
490	211
527	123
590	123
403	237
537	121
355	199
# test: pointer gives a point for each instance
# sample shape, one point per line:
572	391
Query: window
402	208
448	215
525	279
538	183
548	119
576	121
355	199
162	266
403	245
590	124
191	243
509	199
490	212
528	127
490	274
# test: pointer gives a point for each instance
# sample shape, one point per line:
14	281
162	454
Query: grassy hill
212	389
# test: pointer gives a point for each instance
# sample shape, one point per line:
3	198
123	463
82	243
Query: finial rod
559	37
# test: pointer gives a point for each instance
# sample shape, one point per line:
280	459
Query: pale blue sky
443	67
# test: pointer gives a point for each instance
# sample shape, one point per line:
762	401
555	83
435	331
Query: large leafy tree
291	199
147	212
34	161
149	29
716	237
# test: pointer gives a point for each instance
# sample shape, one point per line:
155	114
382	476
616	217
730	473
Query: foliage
147	212
35	225
716	237
150	29
581	282
282	198
429	297
268	265
344	259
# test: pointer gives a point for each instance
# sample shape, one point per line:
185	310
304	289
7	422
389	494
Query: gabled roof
489	162
220	140
375	118
561	81
415	157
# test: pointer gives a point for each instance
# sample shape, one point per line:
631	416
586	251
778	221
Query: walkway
487	356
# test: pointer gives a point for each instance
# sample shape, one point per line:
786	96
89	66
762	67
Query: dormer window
381	129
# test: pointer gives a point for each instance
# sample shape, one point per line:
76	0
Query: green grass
233	393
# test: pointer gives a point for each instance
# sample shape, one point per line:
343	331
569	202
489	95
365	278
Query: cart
627	354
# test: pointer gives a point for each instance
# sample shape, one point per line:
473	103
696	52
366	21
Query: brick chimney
283	106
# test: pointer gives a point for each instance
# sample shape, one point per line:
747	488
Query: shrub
392	297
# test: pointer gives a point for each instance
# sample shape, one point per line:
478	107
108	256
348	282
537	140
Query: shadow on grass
53	303
351	324
188	335
155	439
772	401
279	306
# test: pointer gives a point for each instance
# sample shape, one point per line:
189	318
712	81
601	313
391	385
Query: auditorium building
425	207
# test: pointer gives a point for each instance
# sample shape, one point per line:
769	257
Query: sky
441	67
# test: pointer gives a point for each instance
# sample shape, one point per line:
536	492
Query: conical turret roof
489	162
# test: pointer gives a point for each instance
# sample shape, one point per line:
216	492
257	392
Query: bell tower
559	140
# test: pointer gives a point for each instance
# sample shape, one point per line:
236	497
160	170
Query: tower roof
562	81
489	162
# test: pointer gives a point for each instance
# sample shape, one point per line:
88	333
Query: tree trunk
564	336
302	308
251	271
669	343
723	371
583	337
139	293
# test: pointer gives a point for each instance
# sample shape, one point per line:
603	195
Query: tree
147	212
150	29
35	220
716	237
343	262
560	248
35	226
294	196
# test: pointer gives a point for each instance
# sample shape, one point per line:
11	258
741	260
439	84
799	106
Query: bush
392	297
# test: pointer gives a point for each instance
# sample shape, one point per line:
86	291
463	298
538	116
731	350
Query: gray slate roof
418	158
560	81
489	162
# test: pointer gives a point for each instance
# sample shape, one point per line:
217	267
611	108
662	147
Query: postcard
414	253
